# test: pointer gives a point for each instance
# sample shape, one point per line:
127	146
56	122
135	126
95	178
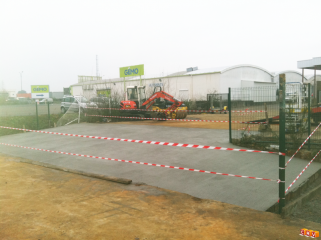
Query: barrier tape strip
71	121
302	172
163	110
249	127
142	163
171	119
303	144
250	111
146	142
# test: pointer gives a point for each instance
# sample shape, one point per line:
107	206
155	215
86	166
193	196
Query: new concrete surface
255	194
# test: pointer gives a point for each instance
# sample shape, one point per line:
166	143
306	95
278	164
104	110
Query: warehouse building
192	84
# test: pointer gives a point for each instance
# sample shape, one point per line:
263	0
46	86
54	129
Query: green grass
29	122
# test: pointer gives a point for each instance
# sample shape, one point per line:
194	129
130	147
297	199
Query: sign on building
131	71
155	85
39	91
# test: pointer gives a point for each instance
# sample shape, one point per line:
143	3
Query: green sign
131	71
103	93
39	88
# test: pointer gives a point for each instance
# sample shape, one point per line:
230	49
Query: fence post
79	110
282	93
229	115
309	114
37	115
109	107
48	113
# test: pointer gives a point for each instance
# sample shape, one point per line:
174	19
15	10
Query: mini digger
160	104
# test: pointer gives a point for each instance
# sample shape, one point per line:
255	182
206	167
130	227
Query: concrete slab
255	194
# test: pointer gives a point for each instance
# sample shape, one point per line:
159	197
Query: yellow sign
39	88
39	91
131	71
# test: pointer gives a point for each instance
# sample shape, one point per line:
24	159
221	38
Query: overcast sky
53	42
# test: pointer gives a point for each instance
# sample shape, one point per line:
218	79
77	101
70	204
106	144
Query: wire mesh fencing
29	114
261	105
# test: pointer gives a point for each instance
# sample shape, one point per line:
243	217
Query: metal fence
29	115
261	106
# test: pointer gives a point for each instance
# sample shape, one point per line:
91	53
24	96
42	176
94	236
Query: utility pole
21	79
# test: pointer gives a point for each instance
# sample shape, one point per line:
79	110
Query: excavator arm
161	94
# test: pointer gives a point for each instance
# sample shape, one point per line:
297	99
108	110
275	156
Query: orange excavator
162	104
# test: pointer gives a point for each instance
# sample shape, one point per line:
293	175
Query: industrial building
192	84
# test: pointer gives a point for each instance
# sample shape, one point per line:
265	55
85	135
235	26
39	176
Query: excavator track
181	115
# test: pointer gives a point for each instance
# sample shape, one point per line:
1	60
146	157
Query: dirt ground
242	127
42	203
207	125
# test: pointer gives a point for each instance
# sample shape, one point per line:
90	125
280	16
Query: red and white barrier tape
242	114
163	110
250	111
71	121
303	144
171	119
146	142
245	128
143	163
302	172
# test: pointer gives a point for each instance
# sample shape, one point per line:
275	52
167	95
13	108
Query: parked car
105	102
99	100
18	100
45	100
74	103
12	100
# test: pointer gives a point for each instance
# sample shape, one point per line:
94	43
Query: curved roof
311	77
288	71
224	69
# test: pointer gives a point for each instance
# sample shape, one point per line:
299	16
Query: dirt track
41	203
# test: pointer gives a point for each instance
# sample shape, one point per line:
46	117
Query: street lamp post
21	79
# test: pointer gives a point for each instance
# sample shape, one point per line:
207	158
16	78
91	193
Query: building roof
176	74
311	77
288	71
224	69
314	63
104	81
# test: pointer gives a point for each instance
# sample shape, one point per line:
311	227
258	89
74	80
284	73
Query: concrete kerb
298	195
290	207
92	175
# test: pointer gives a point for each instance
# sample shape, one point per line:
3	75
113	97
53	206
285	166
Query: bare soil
42	203
208	125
